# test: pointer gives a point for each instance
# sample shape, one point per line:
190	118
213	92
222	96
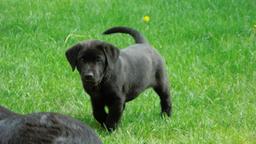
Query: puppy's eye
83	59
98	60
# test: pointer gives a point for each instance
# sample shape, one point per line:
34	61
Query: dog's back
46	128
140	60
5	113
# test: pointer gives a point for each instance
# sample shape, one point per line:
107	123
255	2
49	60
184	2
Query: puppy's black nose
89	76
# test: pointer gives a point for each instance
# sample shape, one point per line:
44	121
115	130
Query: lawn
209	48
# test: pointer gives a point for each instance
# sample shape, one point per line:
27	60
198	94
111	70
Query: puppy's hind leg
163	91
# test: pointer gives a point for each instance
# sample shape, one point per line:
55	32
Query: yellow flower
146	18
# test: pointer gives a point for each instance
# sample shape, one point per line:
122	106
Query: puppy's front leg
115	113
99	112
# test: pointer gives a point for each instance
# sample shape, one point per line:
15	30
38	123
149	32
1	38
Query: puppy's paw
109	127
166	112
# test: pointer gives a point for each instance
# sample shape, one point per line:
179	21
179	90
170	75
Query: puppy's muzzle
89	76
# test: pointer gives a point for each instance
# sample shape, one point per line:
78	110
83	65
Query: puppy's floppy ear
71	55
111	53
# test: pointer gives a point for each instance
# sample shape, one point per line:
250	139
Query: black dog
43	128
112	77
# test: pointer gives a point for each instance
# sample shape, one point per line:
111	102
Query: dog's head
93	59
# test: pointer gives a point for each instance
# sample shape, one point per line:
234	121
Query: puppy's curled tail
138	37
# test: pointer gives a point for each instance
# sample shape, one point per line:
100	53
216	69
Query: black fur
43	128
118	76
134	33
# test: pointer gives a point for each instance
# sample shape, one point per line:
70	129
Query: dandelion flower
146	18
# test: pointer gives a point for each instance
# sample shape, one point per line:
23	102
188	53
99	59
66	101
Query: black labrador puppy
43	128
112	77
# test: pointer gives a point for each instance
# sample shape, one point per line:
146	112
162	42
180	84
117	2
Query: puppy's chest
103	92
108	93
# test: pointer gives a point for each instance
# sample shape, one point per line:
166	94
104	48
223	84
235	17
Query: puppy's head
93	59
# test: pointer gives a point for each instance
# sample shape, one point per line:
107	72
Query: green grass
209	48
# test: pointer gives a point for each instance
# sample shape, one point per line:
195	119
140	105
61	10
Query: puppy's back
47	128
5	113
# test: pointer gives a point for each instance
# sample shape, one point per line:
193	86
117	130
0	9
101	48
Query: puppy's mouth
91	82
